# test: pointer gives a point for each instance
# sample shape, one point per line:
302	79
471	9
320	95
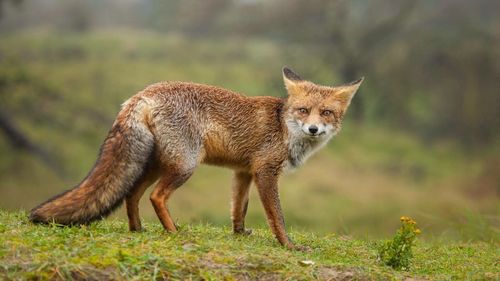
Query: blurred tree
17	138
200	17
455	73
14	2
359	49
431	66
77	13
349	34
13	133
191	16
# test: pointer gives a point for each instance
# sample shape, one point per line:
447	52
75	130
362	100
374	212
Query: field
106	250
63	91
420	139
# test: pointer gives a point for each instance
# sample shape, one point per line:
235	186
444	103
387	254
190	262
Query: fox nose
313	129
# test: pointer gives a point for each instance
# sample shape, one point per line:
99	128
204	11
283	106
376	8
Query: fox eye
326	112
303	110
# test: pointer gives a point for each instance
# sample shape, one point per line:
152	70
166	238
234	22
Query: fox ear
345	92
291	79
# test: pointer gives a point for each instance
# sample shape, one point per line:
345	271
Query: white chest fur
300	147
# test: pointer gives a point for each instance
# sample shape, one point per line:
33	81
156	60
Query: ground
63	92
106	250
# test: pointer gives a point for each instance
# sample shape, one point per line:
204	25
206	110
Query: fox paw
244	232
136	229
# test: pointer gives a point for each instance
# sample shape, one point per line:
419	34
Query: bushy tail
121	162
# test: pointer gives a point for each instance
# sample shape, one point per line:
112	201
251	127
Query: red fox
163	132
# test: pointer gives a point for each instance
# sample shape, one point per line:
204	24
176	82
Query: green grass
64	90
106	250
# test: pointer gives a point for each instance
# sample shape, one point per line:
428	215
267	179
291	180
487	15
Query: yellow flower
417	231
407	220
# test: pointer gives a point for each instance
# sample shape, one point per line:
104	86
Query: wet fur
165	131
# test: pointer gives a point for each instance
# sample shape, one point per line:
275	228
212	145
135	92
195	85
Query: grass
64	90
106	250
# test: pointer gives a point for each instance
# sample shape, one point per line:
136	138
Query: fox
162	133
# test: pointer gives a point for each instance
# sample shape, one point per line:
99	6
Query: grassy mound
106	250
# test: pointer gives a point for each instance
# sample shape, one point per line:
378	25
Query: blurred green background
420	139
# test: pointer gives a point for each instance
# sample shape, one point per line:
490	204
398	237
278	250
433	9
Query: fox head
315	111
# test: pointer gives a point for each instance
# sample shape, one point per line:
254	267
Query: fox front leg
239	203
267	185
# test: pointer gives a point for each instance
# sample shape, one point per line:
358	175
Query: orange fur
166	130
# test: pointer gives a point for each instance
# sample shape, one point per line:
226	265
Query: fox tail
122	161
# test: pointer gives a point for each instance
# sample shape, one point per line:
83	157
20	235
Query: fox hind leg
162	192
178	141
132	200
239	204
